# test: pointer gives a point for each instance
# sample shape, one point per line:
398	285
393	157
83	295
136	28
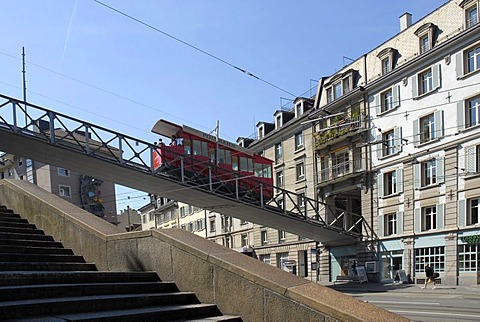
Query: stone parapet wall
236	283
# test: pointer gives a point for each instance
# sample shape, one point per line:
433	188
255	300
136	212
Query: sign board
362	274
402	276
314	266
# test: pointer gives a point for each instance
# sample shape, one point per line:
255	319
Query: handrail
61	130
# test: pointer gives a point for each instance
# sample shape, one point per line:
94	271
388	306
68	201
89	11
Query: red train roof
169	129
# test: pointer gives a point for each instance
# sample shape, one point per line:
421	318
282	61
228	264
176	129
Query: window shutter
376	102
372	135
416	176
462	213
414	82
440	165
436	76
438	119
471	159
416	135
379	146
380	185
399	222
397	132
417	223
459	64
461	115
441	216
399	174
396	96
380	226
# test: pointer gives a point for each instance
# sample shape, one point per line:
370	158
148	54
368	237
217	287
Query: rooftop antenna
24	71
350	59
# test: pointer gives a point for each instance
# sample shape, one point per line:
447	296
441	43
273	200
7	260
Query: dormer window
339	85
278	121
471	12
298	109
261	132
425	35
387	57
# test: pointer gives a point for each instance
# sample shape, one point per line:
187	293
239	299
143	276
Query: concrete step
17	219
45	266
21	230
21	236
48	258
30	243
185	312
65	277
26	250
25	292
98	303
42	281
16	224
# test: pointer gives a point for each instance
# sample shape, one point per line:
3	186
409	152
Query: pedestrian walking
430	276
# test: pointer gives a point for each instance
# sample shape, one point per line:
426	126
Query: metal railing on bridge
38	123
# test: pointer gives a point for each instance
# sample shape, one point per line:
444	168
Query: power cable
194	47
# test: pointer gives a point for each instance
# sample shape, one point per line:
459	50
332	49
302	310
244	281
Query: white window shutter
459	64
436	77
461	115
380	226
417	220
462	213
440	165
396	96
379	146
380	185
399	222
441	216
399	174
417	179
397	133
414	82
471	159
416	134
438	119
378	105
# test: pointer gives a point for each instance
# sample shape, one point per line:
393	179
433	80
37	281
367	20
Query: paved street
445	303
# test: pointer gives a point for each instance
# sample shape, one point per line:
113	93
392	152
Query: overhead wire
193	47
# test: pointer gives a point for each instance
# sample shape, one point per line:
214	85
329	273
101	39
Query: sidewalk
348	287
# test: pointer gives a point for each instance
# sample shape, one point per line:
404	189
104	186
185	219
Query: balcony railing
338	129
472	21
340	170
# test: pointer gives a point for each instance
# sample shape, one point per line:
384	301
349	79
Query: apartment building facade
91	194
393	137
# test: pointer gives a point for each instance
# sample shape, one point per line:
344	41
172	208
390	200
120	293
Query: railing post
261	195
182	169
210	178
236	187
120	138
87	140
51	125
14	116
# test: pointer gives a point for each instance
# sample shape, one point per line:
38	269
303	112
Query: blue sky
92	63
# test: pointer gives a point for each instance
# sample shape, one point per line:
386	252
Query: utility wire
194	47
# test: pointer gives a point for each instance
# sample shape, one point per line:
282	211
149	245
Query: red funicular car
204	156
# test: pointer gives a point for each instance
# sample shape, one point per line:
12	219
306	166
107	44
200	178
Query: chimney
405	21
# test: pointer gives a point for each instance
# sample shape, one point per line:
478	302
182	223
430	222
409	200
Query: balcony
340	171
339	130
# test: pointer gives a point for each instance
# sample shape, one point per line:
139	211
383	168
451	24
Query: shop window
433	256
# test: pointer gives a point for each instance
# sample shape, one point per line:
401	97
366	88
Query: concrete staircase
42	281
